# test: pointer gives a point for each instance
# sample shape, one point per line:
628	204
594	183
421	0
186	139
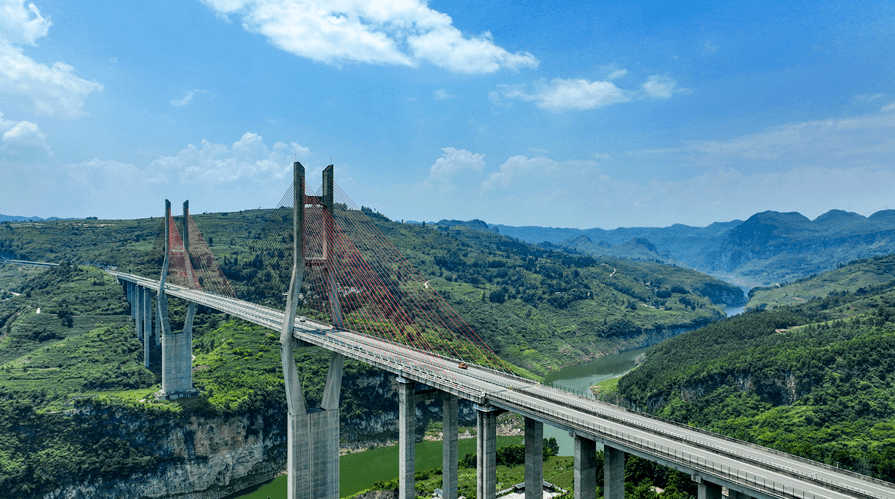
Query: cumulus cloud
249	158
521	169
452	166
23	141
404	32
889	107
52	90
560	94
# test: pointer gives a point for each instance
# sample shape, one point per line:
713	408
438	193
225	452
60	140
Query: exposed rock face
201	458
209	457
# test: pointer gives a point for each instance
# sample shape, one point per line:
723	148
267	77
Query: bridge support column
486	447
707	490
147	325
407	439
130	297
450	454
177	348
534	459
733	494
585	476
137	308
177	361
613	473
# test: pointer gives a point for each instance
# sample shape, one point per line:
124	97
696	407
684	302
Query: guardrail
375	351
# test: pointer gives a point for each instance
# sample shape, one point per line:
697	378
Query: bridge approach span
740	466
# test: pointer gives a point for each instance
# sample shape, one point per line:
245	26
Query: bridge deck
742	466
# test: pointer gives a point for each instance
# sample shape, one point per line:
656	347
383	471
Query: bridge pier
585	474
450	454
486	447
613	473
147	326
406	438
534	459
137	311
708	490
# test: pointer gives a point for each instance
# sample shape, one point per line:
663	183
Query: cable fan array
352	267
196	268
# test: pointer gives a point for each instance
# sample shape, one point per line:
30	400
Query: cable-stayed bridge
354	296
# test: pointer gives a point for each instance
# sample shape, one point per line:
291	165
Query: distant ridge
15	218
768	248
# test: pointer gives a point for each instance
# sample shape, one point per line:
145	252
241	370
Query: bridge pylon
312	435
177	346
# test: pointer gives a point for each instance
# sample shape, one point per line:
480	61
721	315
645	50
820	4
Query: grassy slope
817	380
852	277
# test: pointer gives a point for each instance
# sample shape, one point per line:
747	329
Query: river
580	378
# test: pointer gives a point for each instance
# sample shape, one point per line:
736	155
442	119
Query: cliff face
209	457
201	458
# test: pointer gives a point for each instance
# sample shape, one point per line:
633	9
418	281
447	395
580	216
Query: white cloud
441	94
661	87
19	24
401	32
25	133
560	94
52	90
889	107
188	98
23	142
246	159
528	171
452	166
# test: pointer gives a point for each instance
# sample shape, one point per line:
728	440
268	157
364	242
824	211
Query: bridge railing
592	427
591	406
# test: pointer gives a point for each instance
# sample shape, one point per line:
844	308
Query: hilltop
766	249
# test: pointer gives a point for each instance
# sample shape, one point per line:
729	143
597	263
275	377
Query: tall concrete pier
534	459
177	347
313	435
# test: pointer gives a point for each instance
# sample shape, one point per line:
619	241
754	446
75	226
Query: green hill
856	276
816	379
77	405
537	308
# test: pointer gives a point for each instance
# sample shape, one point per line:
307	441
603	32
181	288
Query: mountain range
766	249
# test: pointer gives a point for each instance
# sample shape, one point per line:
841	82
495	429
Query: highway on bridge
759	471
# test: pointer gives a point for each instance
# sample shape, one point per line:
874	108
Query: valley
541	308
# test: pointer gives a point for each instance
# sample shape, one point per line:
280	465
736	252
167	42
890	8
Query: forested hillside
816	380
537	308
854	277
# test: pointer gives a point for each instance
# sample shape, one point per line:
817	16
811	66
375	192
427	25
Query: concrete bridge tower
177	347
312	434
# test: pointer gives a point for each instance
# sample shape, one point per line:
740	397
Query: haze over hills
768	248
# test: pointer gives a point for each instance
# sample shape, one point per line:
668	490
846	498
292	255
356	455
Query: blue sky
572	114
